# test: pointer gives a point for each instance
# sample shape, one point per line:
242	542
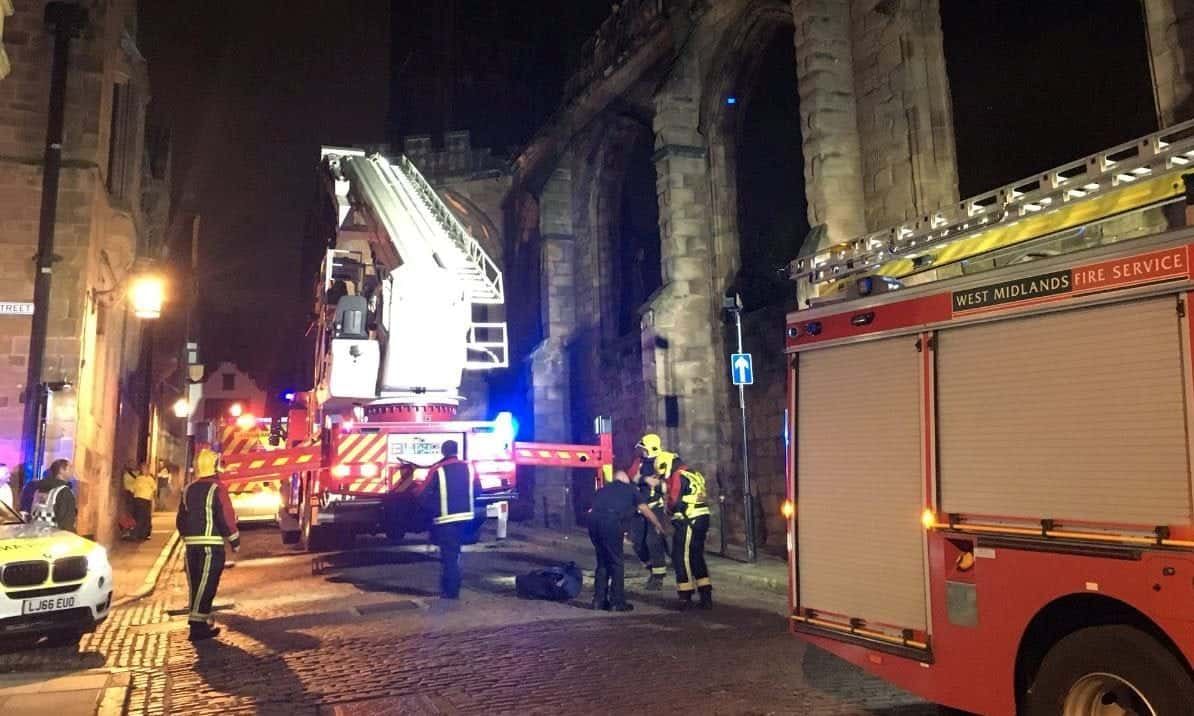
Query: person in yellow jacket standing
689	506
143	486
205	519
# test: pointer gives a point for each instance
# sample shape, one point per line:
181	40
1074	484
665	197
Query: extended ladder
1131	177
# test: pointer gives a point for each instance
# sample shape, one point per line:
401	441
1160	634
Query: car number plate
421	449
48	604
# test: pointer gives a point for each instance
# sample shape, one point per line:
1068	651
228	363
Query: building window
229	381
121	132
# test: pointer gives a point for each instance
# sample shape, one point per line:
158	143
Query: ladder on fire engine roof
423	228
1133	176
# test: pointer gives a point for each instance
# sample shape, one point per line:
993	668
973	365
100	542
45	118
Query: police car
53	583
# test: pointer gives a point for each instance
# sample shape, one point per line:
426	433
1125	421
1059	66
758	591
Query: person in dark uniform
649	545
449	497
50	500
612	505
205	519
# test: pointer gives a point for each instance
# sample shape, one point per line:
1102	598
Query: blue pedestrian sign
742	369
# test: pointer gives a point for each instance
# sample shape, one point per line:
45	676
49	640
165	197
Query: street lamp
182	408
146	293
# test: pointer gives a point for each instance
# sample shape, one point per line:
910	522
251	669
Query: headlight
97	559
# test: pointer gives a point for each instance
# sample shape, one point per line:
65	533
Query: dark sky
251	89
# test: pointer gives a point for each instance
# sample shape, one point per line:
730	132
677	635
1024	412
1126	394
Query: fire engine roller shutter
1078	414
860	482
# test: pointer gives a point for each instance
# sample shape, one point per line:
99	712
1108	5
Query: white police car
53	583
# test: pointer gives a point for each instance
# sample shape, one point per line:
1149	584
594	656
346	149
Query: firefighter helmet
664	462
206	463
650	444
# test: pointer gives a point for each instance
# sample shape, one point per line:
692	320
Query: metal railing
1096	175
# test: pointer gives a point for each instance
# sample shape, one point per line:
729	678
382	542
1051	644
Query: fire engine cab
992	411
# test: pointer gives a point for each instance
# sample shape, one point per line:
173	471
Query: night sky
251	89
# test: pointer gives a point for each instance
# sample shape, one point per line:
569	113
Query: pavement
59	682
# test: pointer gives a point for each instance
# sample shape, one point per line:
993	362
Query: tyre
1111	669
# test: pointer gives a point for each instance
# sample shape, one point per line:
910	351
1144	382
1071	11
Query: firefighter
143	486
688	503
612	504
449	498
51	500
205	519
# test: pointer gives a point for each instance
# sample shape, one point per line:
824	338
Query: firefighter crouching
205	519
650	546
688	503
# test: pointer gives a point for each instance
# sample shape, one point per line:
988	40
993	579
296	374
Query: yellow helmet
663	463
207	463
650	444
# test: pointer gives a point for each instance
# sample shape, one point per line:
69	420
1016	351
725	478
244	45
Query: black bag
557	584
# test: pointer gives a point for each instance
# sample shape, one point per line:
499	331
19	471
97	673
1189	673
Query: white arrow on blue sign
742	369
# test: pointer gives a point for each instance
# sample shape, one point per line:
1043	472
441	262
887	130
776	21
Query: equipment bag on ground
556	584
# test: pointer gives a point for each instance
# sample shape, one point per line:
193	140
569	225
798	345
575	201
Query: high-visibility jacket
52	502
687	498
141	485
206	516
450	492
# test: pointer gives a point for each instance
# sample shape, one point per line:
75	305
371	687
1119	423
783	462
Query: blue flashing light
288	396
505	427
731	100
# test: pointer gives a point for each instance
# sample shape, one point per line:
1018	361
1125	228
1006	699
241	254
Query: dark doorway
772	210
639	258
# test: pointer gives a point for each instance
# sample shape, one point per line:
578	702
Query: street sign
16	308
742	369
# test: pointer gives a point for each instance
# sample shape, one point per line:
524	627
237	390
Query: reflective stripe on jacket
451	494
686	494
205	515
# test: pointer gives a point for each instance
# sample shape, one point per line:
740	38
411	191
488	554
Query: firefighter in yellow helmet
205	519
688	503
650	545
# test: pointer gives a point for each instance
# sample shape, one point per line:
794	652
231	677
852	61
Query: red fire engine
404	304
989	477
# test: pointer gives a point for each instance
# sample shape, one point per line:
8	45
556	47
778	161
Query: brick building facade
113	198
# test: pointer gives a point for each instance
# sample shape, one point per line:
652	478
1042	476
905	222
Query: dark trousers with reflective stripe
447	537
688	555
609	581
205	564
649	545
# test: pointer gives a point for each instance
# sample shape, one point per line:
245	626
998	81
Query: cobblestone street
362	632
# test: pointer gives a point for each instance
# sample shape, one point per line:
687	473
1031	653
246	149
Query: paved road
362	632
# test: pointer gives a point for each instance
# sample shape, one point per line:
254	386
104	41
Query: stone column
828	112
1170	25
549	361
680	342
905	116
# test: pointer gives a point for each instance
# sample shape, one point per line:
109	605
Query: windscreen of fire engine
860	482
1074	415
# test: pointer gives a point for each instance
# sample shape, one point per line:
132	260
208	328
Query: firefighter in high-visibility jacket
688	503
205	519
650	546
450	498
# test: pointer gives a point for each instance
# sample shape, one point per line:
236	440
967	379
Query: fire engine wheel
1112	671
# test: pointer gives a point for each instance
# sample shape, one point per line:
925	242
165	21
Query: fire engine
405	300
992	411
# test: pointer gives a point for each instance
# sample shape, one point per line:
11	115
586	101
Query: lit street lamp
182	408
146	293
